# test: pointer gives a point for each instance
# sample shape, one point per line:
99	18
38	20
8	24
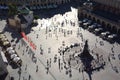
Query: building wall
112	3
33	2
106	23
12	22
3	69
23	26
29	17
110	6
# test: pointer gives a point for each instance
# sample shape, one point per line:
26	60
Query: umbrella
16	59
13	56
9	48
11	52
5	43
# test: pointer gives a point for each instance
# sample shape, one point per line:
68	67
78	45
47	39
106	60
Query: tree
36	17
12	10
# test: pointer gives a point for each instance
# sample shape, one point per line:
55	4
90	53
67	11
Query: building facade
104	12
110	3
33	2
112	6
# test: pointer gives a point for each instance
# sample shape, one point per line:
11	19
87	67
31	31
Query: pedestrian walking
79	70
23	78
61	66
59	63
55	58
26	67
50	62
23	52
29	77
49	50
47	68
37	68
19	72
96	40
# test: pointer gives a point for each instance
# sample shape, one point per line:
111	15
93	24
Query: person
71	32
27	48
50	62
112	50
69	62
19	72
79	70
55	58
29	77
66	71
37	68
23	52
59	62
77	61
18	46
70	75
95	45
96	40
11	78
61	66
47	68
109	59
49	50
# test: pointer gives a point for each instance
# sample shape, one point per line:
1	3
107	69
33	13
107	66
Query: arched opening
103	24
114	30
98	21
118	32
93	18
81	15
85	15
89	17
108	27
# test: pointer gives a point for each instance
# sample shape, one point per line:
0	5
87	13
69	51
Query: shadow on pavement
3	77
87	60
14	33
61	9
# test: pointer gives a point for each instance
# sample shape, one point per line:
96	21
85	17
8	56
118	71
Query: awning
24	36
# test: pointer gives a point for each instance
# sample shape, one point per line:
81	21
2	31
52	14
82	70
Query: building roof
24	10
22	19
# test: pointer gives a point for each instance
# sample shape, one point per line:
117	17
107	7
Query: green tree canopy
12	9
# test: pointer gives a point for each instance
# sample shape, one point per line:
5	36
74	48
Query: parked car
80	23
17	61
97	25
111	38
84	21
104	34
97	31
86	24
91	28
